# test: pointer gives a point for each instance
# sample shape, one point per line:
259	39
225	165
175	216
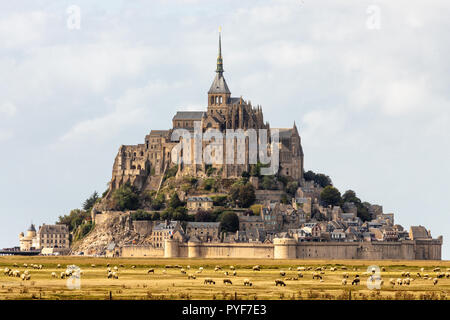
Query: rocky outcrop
117	228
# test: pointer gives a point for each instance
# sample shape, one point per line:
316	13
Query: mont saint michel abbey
144	165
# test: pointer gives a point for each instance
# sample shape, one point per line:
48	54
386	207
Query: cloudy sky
367	83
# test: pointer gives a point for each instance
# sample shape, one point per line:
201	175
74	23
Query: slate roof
56	228
188	115
199	199
219	85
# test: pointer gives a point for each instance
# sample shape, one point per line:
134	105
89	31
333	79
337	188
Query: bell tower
219	94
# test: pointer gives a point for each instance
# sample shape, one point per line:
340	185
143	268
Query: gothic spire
219	69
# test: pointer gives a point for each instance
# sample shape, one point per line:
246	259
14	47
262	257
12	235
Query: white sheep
344	282
435	281
53	274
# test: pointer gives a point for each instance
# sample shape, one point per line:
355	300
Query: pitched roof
219	85
199	199
203	224
188	115
55	228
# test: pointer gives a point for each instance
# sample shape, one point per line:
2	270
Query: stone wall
289	249
144	228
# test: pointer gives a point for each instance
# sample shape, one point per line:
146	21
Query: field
168	281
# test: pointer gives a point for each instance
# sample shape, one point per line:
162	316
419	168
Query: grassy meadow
168	281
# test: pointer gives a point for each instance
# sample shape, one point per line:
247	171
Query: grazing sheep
447	274
25	265
191	276
344	282
316	276
418	274
232	268
188	267
53	274
440	275
422	269
164	271
115	275
392	281
209	281
151	271
383	269
279	282
108	270
282	273
62	275
109	276
92	265
133	267
345	275
183	271
218	268
234	273
332	269
437	269
107	264
399	282
300	275
16	273
343	268
25	277
435	281
319	269
308	268
256	268
6	271
247	282
406	281
300	268
58	266
356	281
225	281
225	273
115	268
15	265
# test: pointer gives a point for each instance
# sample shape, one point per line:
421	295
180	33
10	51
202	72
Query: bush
219	200
330	196
291	188
171	172
126	197
269	183
256	209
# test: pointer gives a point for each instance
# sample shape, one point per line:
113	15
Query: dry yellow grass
170	283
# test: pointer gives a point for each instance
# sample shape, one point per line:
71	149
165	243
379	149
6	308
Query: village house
162	231
203	231
196	203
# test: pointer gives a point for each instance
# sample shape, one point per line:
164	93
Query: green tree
291	188
229	222
175	201
269	183
243	195
330	196
89	202
126	197
158	202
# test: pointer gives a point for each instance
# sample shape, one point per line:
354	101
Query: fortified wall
287	248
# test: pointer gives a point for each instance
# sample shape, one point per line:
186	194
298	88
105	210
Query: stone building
196	203
203	231
54	236
162	231
144	165
29	241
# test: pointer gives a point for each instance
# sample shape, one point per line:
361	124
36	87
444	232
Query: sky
367	83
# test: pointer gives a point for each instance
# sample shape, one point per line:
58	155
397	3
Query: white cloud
6	135
22	30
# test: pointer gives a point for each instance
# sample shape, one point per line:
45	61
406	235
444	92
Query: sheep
232	268
437	269
183	271
25	265
418	275
447	274
435	281
399	282
316	276
343	268
115	268
225	281
108	270
319	269
226	273
247	282
300	268
308	268
6	271
121	266
440	275
191	276
151	271
406	281
392	282
216	269
345	275
58	266
209	281
300	275
332	269
344	282
282	273
53	274
356	281
62	275
256	268
188	267
422	269
16	273
92	265
234	273
25	277
107	265
279	282
115	275
383	269
164	271
109	275
15	265
133	267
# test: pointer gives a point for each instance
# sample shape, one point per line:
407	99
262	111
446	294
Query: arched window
217	100
220	99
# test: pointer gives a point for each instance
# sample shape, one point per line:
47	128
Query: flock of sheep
317	273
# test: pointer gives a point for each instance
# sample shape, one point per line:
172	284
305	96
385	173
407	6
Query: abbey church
144	165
